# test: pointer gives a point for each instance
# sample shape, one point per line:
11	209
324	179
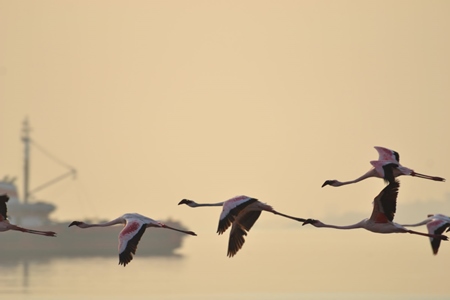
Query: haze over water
273	264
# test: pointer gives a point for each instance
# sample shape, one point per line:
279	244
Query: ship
69	242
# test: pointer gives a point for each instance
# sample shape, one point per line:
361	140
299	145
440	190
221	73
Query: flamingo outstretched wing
243	223
385	204
129	239
387	154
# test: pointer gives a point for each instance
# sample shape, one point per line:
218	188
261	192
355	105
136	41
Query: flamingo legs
39	232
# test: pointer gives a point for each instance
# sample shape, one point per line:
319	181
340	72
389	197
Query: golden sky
155	101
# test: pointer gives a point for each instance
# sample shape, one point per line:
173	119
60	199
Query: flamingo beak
74	223
184	201
328	182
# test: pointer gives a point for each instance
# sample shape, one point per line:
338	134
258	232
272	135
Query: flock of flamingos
241	213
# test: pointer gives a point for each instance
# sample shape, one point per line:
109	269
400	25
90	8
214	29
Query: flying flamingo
241	212
436	224
129	237
5	225
387	167
381	220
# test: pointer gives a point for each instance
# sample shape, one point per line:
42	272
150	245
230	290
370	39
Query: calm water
274	264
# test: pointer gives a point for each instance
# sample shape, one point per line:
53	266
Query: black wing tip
231	254
125	258
236	241
4	198
127	255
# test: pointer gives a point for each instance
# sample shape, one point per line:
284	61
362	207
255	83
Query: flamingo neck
106	224
418	224
345	227
368	174
194	204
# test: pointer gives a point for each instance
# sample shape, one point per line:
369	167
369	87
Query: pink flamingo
436	224
129	237
387	167
381	220
5	225
241	213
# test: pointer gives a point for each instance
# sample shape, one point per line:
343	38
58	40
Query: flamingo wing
385	204
231	210
437	227
387	154
129	238
389	172
244	222
248	219
236	240
239	229
3	208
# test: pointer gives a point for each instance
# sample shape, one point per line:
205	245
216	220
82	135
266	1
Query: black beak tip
327	182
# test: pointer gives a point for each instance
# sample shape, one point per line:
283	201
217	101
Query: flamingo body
241	213
134	227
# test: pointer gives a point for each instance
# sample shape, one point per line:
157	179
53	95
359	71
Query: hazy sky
155	101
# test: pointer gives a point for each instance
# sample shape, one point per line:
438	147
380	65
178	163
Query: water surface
273	264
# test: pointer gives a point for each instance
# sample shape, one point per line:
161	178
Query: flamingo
387	167
129	237
436	224
241	212
5	225
381	220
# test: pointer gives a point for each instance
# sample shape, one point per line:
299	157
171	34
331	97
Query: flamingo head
187	202
311	221
76	223
330	182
